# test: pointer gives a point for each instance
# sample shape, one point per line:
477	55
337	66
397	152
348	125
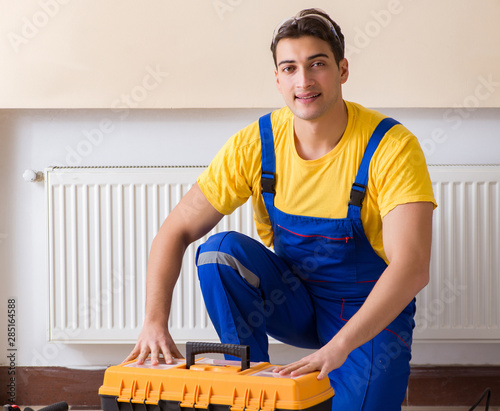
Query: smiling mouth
308	97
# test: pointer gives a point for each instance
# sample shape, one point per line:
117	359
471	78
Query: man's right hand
154	340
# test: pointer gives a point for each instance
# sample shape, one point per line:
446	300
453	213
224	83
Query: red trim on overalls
346	239
385	329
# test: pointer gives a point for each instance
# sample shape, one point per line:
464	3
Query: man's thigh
240	275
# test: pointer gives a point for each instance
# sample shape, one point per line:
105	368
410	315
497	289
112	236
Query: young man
343	196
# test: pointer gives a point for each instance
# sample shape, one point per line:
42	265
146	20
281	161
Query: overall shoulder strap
268	178
358	189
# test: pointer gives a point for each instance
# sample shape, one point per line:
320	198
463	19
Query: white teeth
308	98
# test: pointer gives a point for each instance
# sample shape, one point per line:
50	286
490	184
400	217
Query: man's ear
344	70
278	86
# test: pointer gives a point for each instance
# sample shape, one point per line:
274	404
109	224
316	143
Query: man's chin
306	115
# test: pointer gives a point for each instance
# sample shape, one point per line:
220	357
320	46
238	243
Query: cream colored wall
215	53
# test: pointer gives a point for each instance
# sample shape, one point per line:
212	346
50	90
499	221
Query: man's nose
305	79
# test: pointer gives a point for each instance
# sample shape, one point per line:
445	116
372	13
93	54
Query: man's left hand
324	360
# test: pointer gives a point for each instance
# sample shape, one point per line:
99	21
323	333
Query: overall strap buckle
268	182
357	195
361	181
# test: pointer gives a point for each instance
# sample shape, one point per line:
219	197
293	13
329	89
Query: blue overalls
319	275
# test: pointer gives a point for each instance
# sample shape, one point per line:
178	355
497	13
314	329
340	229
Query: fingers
133	355
323	373
305	366
295	369
140	353
143	355
156	352
167	354
155	356
156	349
298	368
324	360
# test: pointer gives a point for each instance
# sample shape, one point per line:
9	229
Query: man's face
308	77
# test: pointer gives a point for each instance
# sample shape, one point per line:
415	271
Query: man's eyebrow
315	56
286	62
318	55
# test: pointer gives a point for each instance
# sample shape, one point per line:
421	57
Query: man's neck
315	138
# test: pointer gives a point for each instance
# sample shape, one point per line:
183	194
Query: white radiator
101	222
462	301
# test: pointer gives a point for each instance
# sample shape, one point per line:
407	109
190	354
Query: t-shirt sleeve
400	174
227	182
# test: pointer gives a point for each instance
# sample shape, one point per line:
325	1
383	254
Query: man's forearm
407	234
189	221
164	266
395	289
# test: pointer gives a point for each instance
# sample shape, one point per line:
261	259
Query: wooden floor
447	408
37	407
431	389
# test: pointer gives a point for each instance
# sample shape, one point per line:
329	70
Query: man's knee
228	249
222	242
228	242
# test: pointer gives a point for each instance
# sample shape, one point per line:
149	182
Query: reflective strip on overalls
319	275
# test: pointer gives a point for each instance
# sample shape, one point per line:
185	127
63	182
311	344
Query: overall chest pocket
318	255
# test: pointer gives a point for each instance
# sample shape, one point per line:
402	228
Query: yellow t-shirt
320	188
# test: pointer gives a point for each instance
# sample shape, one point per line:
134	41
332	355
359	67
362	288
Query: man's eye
318	64
287	69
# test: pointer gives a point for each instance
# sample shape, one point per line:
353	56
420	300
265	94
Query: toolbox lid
215	381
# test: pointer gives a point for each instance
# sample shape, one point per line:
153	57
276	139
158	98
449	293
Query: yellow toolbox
211	384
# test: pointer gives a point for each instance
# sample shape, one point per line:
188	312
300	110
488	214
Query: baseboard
48	385
429	386
452	385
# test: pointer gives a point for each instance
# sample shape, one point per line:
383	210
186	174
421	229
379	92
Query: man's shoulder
367	119
250	135
281	117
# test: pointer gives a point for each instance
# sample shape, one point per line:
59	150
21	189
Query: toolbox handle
240	351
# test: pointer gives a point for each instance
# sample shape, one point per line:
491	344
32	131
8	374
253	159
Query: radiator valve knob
31	176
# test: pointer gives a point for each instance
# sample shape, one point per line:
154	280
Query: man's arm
407	234
191	219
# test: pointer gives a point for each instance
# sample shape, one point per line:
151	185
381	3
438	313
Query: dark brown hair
300	26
